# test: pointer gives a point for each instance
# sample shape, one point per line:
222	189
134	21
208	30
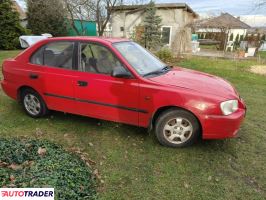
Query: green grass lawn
134	166
262	54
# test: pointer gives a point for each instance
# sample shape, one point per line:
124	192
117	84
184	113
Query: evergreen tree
237	39
47	16
258	37
241	38
231	37
152	27
263	38
10	28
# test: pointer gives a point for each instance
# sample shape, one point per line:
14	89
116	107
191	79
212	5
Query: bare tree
103	11
93	10
79	10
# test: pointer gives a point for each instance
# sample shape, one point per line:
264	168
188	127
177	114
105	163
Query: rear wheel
177	128
33	103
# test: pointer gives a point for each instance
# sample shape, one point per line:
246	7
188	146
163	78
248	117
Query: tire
177	128
33	103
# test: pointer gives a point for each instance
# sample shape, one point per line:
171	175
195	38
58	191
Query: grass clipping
35	163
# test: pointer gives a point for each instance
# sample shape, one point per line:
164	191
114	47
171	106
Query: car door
59	63
99	94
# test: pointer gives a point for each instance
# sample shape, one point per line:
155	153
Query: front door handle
82	83
33	76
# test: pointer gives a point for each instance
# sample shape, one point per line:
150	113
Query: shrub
241	38
29	167
47	16
165	54
10	26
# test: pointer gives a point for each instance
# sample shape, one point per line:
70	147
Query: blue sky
235	7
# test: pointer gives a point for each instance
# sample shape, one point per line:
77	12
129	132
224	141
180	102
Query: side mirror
121	72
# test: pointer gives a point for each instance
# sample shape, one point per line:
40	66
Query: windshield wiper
153	73
160	71
167	68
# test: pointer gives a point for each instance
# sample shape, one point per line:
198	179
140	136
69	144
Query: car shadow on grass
86	126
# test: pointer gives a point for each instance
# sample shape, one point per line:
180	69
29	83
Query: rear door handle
33	76
82	83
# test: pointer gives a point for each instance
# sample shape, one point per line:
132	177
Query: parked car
118	80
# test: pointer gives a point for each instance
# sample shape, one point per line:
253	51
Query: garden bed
35	163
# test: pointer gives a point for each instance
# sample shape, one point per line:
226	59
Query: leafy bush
263	38
47	16
36	163
10	26
165	54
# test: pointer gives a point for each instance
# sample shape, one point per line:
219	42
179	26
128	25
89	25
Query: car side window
97	59
59	54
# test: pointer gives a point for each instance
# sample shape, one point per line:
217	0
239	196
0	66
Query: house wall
24	23
174	18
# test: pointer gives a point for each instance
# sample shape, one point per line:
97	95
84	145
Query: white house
226	22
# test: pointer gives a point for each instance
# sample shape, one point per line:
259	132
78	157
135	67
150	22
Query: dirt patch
258	69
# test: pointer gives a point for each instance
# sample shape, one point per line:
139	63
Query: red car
118	80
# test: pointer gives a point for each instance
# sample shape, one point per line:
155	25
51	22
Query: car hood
198	81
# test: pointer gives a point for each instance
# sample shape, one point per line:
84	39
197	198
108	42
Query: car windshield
140	59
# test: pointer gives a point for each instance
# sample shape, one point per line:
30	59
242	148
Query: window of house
166	35
59	54
122	28
97	59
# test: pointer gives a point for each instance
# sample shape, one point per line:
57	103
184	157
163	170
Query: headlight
229	107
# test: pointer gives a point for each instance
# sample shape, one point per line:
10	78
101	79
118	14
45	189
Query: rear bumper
220	127
9	89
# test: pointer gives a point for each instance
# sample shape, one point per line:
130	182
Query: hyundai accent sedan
118	80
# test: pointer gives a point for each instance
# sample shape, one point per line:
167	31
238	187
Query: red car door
99	94
58	59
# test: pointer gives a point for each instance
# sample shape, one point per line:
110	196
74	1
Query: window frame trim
170	35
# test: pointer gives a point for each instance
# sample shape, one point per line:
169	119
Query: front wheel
33	103
177	128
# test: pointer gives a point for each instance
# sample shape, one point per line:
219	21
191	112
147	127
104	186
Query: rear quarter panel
16	75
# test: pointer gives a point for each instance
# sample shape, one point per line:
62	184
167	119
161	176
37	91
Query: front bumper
220	127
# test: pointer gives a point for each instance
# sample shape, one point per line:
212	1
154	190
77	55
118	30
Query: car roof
89	38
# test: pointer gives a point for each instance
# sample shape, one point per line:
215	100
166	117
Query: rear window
55	54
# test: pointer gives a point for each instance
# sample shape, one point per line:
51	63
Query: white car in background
28	40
